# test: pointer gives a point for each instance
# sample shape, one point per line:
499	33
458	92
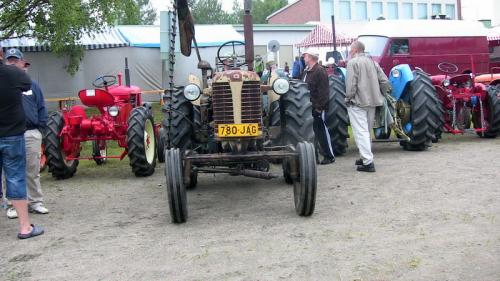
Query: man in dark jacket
317	80
36	119
13	82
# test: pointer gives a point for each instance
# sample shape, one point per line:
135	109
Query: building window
377	10
422	11
345	10
361	11
407	11
450	11
436	9
326	10
392	9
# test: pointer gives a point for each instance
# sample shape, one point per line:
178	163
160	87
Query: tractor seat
96	98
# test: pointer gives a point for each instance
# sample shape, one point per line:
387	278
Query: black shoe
327	161
370	168
359	162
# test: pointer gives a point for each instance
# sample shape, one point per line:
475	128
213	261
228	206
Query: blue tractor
411	110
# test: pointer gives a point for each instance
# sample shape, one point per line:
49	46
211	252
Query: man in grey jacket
363	95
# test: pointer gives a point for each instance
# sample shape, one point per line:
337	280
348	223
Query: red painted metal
427	53
462	91
81	128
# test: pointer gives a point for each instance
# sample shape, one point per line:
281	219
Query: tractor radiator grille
251	104
222	102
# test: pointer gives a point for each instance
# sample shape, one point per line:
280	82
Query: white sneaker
38	209
11	213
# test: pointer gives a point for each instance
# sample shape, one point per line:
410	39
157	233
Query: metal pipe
248	31
127	73
334	34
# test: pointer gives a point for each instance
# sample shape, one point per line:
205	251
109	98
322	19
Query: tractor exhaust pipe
248	30
127	73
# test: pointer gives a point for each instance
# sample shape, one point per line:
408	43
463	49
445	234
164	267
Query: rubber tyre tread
179	126
135	142
425	114
297	115
55	161
160	143
177	200
337	118
494	107
305	187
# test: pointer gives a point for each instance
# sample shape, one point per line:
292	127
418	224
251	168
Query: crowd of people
23	117
365	83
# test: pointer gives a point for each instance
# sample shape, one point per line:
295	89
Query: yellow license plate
239	130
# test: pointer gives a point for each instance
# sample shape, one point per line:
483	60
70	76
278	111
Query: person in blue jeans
13	82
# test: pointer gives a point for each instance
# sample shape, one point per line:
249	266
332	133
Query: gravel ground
431	215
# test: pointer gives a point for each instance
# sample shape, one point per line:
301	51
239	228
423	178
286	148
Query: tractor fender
495	82
399	77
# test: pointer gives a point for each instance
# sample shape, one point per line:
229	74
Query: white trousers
33	140
361	119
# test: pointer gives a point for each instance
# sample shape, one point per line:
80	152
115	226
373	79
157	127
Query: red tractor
466	102
122	118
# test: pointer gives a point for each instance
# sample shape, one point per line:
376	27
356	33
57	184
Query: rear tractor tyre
141	141
297	120
337	118
177	121
56	158
176	191
304	188
425	115
494	108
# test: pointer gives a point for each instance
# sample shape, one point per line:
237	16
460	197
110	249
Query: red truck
426	43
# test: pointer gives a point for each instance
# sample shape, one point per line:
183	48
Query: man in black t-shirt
13	82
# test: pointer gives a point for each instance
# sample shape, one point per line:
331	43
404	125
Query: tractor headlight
396	73
446	82
192	92
281	86
113	111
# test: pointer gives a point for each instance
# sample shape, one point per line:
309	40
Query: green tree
209	12
261	9
236	16
137	12
59	23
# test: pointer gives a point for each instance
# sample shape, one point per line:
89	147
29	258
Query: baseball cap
312	51
14	53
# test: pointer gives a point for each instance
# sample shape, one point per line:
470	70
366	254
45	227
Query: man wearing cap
13	82
317	81
36	119
363	95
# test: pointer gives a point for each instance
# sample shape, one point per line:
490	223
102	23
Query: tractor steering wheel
104	81
236	60
448	67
